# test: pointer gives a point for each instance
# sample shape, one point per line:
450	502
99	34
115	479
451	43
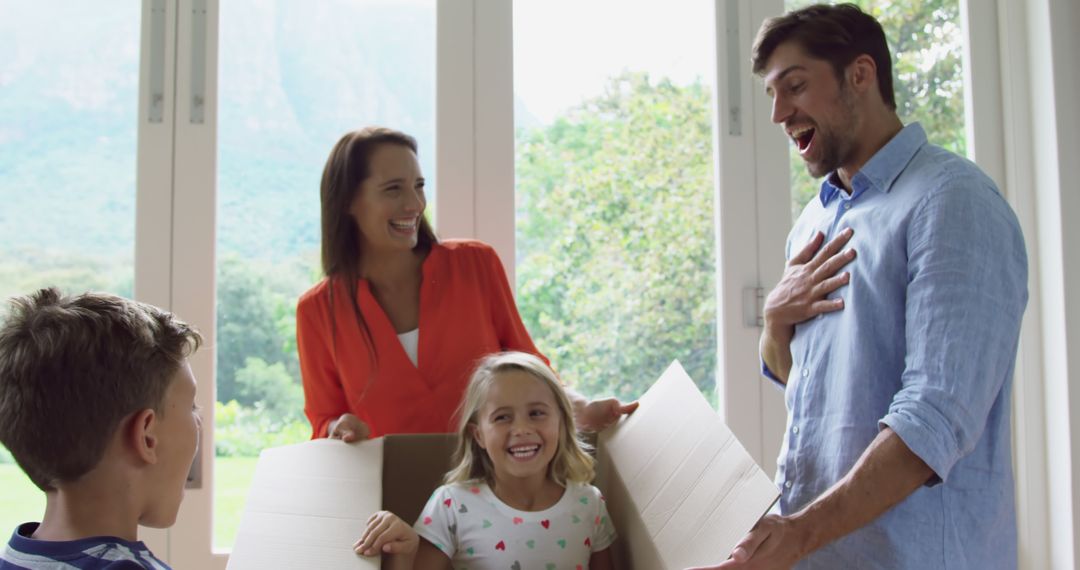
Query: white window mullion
455	129
493	54
193	256
475	124
153	178
773	190
750	202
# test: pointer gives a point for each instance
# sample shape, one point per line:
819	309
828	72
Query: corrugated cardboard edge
685	489
628	524
278	530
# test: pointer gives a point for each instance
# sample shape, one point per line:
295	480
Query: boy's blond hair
570	464
72	368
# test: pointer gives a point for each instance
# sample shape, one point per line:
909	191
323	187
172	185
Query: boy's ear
142	435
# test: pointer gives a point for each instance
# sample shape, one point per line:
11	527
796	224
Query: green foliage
925	39
244	432
616	240
25	270
270	387
256	318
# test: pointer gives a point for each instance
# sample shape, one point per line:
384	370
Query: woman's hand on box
598	415
348	428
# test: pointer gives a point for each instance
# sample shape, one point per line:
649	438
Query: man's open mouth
802	137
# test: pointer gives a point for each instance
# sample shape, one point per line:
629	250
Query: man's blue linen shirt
926	345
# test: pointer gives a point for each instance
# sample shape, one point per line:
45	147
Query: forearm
775	347
886	473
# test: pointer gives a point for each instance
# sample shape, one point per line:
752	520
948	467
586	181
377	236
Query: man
897	362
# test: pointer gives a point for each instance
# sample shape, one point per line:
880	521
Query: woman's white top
410	341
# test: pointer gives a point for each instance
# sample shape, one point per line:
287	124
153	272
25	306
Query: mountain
293	77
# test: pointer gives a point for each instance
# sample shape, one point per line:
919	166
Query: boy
97	405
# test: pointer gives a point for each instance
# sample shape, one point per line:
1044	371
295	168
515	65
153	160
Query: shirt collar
882	169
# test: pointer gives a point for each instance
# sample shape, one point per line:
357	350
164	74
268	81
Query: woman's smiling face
389	204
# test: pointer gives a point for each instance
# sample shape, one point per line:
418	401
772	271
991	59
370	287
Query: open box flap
308	504
684	488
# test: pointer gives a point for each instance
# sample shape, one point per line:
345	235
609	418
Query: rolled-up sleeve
765	370
966	293
767	373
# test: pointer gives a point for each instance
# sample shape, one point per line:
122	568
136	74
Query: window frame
175	211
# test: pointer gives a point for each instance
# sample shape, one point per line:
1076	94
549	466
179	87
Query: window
615	258
67	166
293	79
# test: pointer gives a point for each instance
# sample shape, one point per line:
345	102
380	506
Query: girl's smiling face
519	426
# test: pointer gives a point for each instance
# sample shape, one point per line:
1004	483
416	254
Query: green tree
616	255
244	432
25	270
272	388
256	319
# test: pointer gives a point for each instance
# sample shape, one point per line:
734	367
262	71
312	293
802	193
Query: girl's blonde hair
571	462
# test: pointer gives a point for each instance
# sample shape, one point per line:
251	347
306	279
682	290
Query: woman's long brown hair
346	169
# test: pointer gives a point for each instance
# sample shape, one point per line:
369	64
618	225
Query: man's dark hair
837	34
72	368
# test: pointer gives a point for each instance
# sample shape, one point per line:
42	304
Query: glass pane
615	233
67	165
294	77
926	39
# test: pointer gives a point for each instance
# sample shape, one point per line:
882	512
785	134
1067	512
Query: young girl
519	497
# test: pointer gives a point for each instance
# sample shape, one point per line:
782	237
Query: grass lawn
21	501
232	479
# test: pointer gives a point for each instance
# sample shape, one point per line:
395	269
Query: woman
387	340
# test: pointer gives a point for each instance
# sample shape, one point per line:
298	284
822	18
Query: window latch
753	307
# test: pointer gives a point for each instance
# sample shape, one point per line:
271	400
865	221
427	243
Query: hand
807	281
598	415
774	543
348	428
387	534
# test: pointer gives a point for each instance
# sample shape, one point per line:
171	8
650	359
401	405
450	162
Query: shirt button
805	372
795	429
787	484
847	205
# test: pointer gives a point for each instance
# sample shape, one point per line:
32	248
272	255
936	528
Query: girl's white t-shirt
477	531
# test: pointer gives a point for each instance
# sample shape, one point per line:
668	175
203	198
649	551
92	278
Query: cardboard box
680	488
